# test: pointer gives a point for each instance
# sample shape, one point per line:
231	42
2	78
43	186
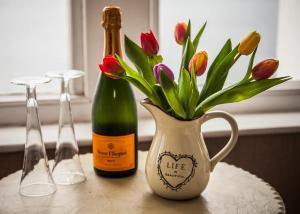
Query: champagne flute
67	168
36	177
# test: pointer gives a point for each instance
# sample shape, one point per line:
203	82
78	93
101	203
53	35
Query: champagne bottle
114	116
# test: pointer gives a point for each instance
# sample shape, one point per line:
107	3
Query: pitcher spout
156	112
163	119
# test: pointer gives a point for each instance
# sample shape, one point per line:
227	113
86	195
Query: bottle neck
112	44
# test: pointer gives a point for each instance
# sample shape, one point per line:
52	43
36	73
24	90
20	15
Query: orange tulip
180	32
199	61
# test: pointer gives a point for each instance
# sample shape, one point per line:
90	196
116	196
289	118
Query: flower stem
236	58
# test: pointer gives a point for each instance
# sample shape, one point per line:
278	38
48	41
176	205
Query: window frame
284	97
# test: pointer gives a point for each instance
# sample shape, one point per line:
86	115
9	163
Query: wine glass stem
34	142
30	92
65	116
66	127
65	86
33	127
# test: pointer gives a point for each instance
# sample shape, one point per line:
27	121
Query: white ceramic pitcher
178	164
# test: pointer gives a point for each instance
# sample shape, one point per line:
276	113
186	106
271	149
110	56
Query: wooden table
230	190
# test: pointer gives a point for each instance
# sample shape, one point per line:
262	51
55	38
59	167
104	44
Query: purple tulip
162	67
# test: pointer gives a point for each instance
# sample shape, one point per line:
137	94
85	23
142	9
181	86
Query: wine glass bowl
36	177
65	74
30	81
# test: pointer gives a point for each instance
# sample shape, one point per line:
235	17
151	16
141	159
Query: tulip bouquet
183	99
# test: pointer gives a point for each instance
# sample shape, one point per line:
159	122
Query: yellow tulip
248	44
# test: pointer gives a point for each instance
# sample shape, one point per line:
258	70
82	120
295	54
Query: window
225	19
277	20
36	37
78	37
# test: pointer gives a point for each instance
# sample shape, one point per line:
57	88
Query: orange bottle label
113	153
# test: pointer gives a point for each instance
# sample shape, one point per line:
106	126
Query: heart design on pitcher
176	170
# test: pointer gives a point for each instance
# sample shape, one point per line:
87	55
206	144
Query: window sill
13	109
12	138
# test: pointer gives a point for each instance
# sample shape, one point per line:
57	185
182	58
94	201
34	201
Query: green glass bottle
114	114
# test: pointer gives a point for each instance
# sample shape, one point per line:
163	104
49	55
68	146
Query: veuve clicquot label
114	153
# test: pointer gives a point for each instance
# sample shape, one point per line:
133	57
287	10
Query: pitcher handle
233	138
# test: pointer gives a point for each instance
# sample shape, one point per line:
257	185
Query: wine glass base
37	189
69	178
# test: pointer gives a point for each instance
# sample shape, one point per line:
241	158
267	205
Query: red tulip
180	32
149	43
111	67
199	61
265	69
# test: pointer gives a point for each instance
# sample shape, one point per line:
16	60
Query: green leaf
139	85
166	107
188	31
184	88
139	59
226	49
129	71
217	77
187	35
138	81
132	73
187	55
156	59
198	36
250	65
194	97
238	92
153	60
170	92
